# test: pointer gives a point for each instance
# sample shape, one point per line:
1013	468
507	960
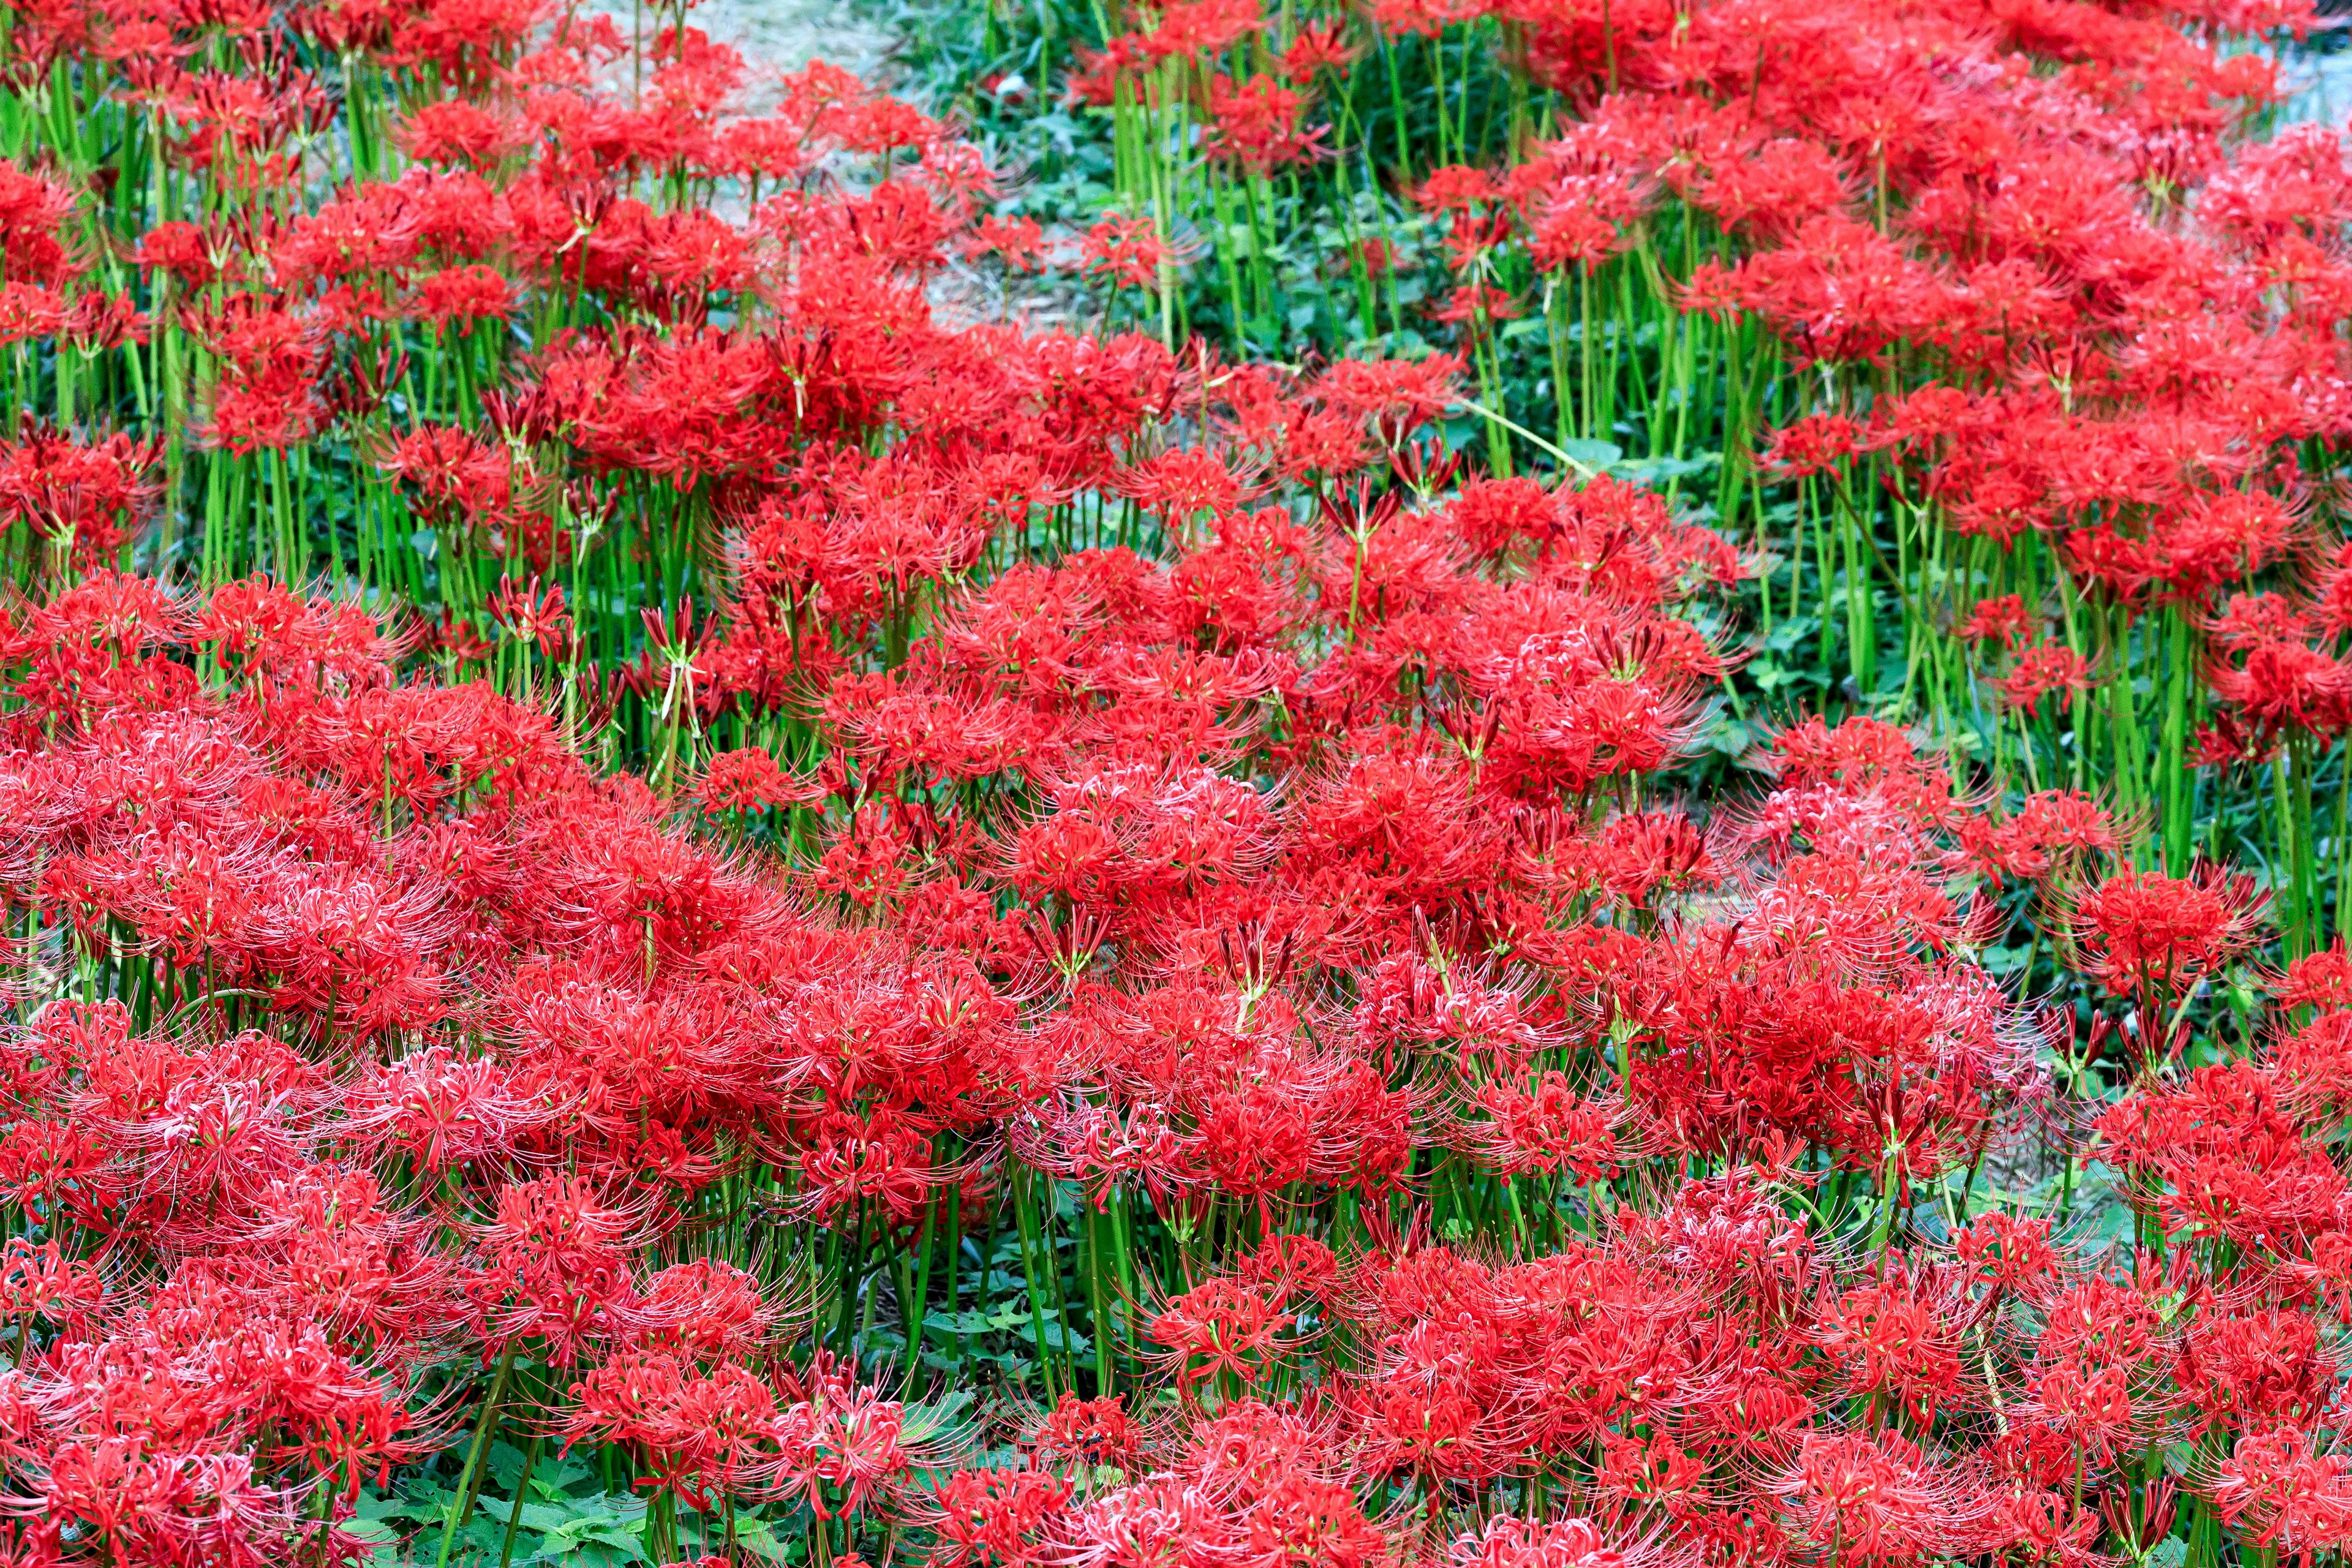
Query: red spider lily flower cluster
277	1227
1039	950
439	1037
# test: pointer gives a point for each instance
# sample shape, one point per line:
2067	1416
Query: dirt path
779	35
775	36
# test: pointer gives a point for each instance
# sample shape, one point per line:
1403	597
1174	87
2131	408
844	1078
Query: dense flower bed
673	896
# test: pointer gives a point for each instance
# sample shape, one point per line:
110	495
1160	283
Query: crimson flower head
1877	1499
704	1309
2005	1250
707	1433
2155	936
458	132
1817	443
2043	670
2284	684
1257	124
1394	397
1223	1328
841	1444
1893	1341
1315	48
2321	980
2049	831
1508	1543
1127	250
554	1264
80	493
2004	620
1086	1432
180	249
1549	1128
999	1518
532	614
463	296
2287	1495
1019	242
751	780
2224	744
1457	188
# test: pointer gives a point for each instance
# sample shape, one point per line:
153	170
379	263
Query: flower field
1499	784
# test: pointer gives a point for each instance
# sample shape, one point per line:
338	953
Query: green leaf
505	1465
556	1477
603	1554
399	1507
758	1538
1059	1336
574	1529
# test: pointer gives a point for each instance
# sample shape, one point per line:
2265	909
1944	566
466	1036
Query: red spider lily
709	1432
2042	670
1549	1129
2154	936
1223	1329
2050	831
1003	1518
1518	1544
1020	241
2288	1495
1222	841
554	1265
2282	684
533	614
1314	50
2015	1255
444	1111
81	497
1881	1498
2230	1156
2081	1410
1256	122
1898	1342
2004	620
1128	251
2321	980
158	1507
751	780
1818	444
840	1446
1838	292
1089	1433
847	1163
